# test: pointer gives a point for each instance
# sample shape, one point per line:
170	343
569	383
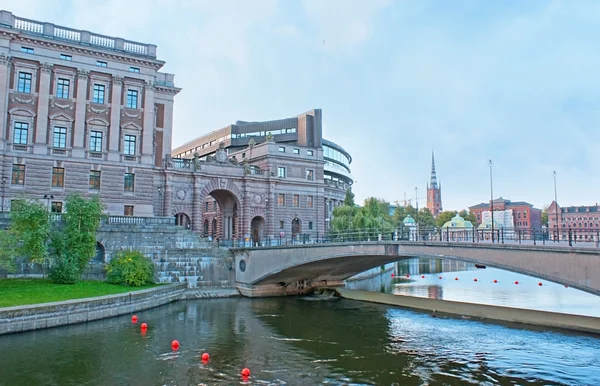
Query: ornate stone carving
16	99
68	106
221	154
168	161
257	199
180	194
223	183
117	79
91	109
83	74
46	68
125	114
269	137
149	86
5	59
251	143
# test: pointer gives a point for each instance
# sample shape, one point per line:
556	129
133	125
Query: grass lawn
19	292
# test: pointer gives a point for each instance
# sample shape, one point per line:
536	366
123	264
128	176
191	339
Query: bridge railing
584	237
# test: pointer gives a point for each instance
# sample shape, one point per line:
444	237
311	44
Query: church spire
434	183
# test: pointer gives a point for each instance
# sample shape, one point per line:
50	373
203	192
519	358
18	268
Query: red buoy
540	284
245	372
175	345
455	278
393	275
495	281
134	319
423	277
517	282
440	277
566	286
205	357
144	326
475	280
407	275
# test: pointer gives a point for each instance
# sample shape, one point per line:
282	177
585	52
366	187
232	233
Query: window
20	135
214	206
58	177
129	144
310	226
309	201
94	179
27	50
281	199
62	88
98	94
281	172
24	84
296	200
18	174
310	174
281	224
60	137
524	213
66	57
132	99
281	149
134	69
206	206
128	210
96	141
100	63
56	207
296	151
309	153
129	182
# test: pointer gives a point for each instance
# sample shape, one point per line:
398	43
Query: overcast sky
513	81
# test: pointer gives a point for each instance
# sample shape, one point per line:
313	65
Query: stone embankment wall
480	311
47	315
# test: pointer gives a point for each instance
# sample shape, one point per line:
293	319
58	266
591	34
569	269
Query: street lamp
416	198
555	207
492	197
4	179
48	197
160	201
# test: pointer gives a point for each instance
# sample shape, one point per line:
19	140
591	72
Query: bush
130	268
64	272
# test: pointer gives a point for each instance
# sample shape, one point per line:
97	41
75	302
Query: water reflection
409	281
295	342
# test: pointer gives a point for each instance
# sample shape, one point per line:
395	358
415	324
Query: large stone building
583	222
434	192
83	112
525	217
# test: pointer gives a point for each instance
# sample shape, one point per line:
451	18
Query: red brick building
525	216
582	221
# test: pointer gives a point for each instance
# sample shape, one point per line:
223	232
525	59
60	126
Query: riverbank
479	311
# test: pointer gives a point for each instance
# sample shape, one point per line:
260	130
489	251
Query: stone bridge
296	269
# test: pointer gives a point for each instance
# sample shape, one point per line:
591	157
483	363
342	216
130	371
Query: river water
302	341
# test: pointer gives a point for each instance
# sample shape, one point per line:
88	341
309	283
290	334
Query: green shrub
130	268
64	272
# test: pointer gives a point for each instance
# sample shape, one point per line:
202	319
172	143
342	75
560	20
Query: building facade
434	192
523	215
582	222
81	112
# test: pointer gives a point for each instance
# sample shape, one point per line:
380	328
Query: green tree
7	251
545	216
425	218
30	228
399	215
410	210
469	216
444	217
349	199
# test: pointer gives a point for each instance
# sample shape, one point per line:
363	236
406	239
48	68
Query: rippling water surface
296	342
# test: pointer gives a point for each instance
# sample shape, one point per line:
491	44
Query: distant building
434	192
410	228
457	229
582	221
524	216
502	219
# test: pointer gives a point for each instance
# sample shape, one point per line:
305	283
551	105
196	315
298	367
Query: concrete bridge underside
298	269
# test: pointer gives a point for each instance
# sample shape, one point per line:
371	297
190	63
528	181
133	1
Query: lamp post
416	199
48	197
555	207
160	201
492	197
4	179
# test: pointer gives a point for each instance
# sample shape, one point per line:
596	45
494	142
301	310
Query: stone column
80	105
40	145
168	197
115	120
148	125
4	84
197	205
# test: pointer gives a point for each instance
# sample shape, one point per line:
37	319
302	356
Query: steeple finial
434	183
